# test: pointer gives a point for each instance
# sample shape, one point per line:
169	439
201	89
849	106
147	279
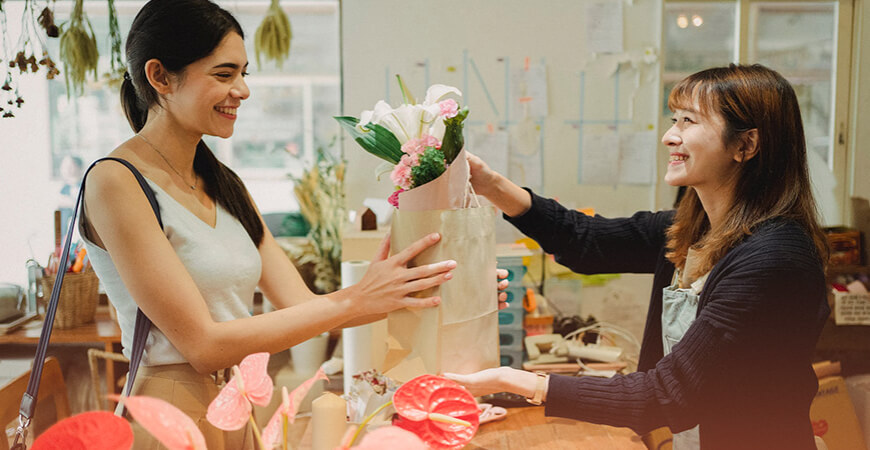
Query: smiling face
206	97
699	156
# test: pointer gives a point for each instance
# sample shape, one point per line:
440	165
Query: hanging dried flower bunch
115	75
273	35
30	44
78	49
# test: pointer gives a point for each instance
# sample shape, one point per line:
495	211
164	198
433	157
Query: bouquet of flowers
417	141
422	146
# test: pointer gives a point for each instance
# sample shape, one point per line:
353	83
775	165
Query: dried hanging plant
115	75
78	49
30	44
273	35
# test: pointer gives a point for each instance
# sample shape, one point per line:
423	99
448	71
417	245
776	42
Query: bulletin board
564	94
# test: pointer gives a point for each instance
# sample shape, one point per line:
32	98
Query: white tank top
223	262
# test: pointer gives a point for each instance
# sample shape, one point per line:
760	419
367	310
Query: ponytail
132	106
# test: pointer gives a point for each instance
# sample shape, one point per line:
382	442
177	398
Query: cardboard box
361	245
833	416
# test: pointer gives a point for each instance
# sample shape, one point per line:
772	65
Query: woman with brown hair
738	297
194	274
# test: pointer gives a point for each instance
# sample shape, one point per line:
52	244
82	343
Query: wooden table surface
527	428
102	330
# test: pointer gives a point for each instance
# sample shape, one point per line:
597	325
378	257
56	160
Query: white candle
328	421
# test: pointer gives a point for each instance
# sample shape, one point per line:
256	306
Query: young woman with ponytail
738	297
195	278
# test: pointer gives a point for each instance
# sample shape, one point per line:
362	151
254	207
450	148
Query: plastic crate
511	319
511	337
512	358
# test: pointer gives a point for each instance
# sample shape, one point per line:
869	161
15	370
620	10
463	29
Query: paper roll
363	347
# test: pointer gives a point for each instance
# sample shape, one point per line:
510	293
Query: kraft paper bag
461	334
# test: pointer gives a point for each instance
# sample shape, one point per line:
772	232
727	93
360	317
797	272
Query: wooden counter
527	429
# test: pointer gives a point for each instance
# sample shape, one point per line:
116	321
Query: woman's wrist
509	197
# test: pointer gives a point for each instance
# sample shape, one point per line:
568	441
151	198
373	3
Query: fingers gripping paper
461	334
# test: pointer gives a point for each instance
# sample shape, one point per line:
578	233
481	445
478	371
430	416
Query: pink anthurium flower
168	424
97	430
441	412
250	384
287	409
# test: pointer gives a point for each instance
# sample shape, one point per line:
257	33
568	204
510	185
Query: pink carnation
430	141
449	108
401	175
394	197
413	147
412	160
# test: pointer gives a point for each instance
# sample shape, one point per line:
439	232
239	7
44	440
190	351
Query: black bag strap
140	334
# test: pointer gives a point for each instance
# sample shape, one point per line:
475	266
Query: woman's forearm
508	197
224	344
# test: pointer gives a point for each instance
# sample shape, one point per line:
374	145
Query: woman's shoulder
783	240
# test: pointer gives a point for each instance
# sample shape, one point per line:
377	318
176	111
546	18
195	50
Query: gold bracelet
543	378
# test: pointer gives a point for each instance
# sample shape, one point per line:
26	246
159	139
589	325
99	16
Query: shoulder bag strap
143	324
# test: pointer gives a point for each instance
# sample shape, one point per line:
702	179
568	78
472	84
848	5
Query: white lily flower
411	121
436	92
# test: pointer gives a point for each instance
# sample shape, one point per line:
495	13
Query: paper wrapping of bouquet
363	347
449	191
461	334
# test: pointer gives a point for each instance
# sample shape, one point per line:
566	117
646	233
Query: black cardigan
743	369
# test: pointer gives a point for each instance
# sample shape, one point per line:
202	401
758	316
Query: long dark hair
178	33
774	183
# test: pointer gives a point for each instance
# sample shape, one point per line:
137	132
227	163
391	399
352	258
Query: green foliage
431	166
373	138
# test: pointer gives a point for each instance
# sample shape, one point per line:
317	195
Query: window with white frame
287	117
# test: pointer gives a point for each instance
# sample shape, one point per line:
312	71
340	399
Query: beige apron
191	392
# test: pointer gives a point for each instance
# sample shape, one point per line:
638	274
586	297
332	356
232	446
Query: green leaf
453	141
374	139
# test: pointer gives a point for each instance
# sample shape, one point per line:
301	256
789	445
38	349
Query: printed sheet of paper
529	92
604	27
851	309
637	155
599	161
492	148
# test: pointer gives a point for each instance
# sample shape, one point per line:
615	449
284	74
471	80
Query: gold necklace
192	186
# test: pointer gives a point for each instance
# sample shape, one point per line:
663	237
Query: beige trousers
191	392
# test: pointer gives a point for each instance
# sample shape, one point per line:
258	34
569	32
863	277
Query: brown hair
772	184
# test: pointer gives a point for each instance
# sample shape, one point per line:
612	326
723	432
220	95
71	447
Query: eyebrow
228	65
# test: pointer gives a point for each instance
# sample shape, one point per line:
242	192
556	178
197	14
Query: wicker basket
78	298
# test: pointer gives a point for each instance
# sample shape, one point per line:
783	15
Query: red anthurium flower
95	430
439	411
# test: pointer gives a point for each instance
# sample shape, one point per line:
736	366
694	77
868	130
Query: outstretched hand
389	282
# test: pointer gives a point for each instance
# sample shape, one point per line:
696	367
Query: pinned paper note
529	91
637	157
604	26
599	161
491	147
